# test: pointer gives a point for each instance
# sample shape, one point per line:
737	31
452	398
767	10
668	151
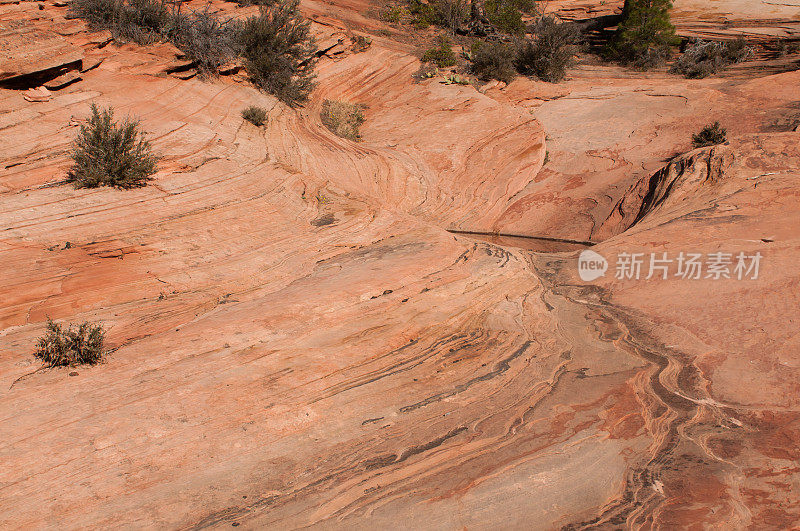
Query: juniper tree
644	36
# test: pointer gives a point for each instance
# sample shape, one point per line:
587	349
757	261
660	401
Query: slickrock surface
764	19
25	49
299	341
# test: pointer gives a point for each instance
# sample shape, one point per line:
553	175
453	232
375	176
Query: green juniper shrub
443	55
645	36
61	347
493	60
109	154
343	119
550	52
393	14
279	52
423	14
505	16
704	58
711	135
255	115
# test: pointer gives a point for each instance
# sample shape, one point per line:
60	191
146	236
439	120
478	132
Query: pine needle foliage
645	35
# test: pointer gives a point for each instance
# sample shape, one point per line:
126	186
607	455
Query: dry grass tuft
255	115
343	119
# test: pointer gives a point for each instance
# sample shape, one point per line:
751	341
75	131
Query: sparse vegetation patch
394	14
495	20
246	3
277	48
205	39
425	71
106	153
786	47
67	347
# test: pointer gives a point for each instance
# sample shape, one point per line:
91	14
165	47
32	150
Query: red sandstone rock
62	81
25	50
298	341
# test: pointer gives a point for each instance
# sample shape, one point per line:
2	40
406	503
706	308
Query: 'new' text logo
591	265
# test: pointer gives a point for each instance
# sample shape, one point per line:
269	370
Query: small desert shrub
738	50
493	60
711	135
645	36
550	52
786	47
452	14
442	55
141	21
68	347
110	154
279	52
255	115
361	43
704	58
343	119
206	39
